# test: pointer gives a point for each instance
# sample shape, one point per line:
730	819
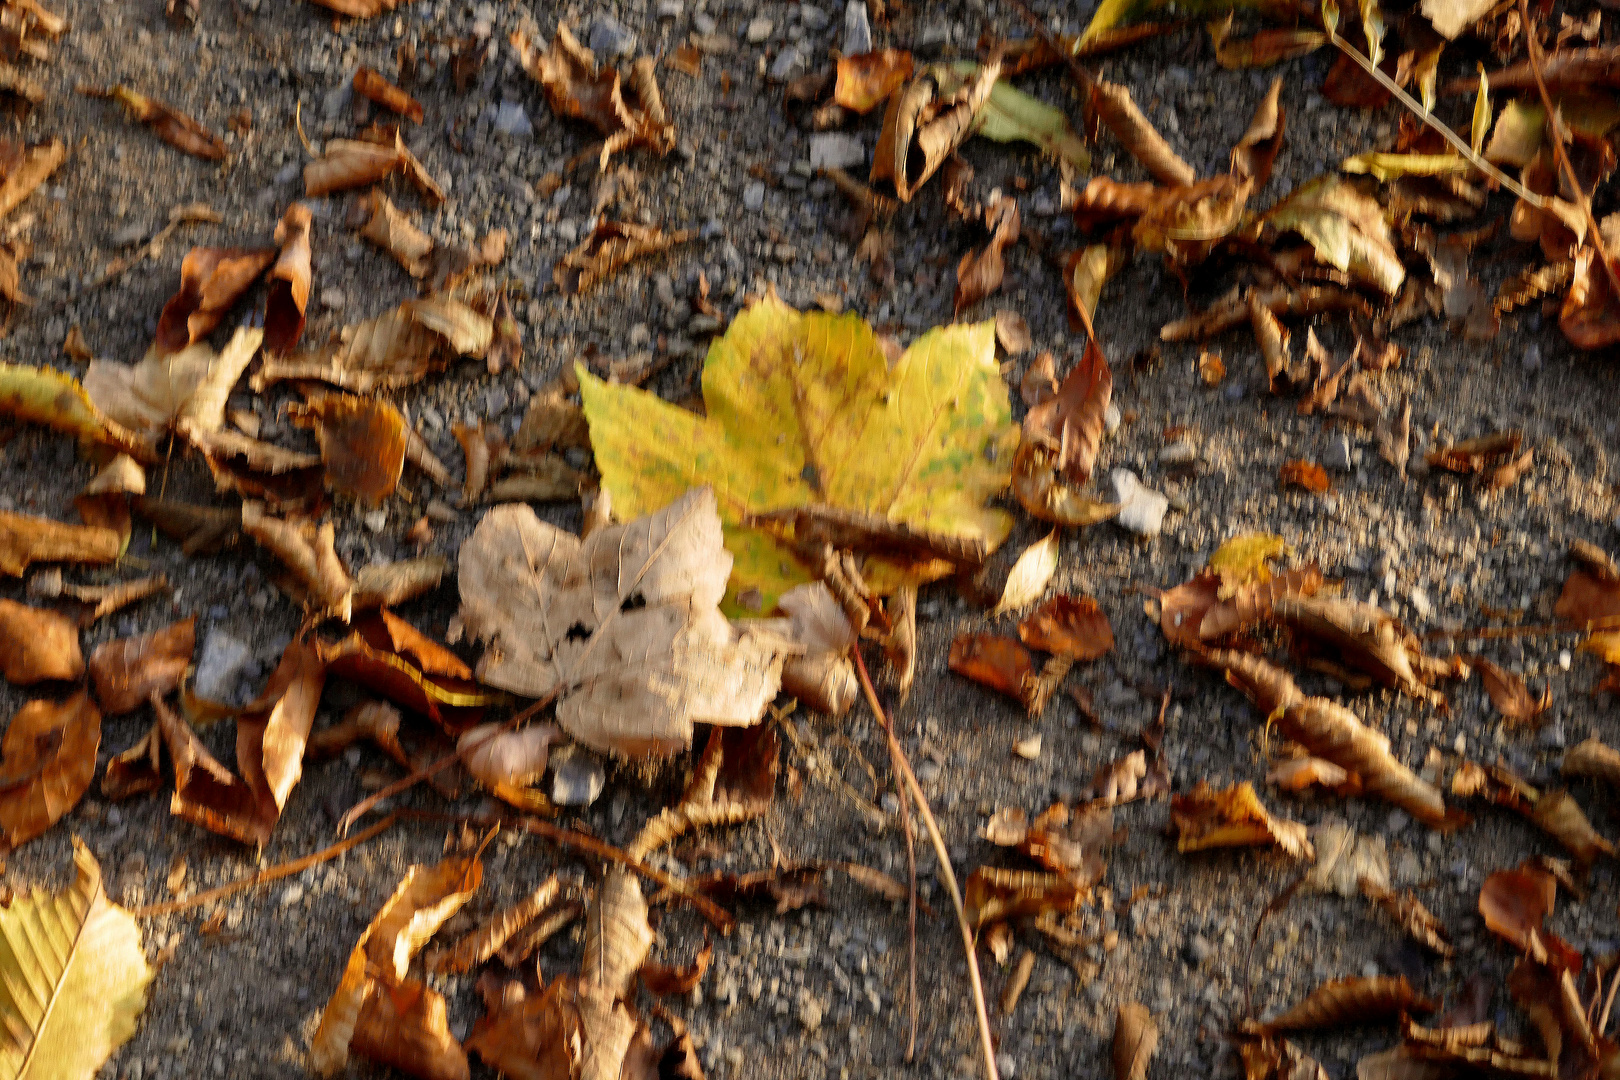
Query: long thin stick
911	907
944	855
272	873
359	809
1534	48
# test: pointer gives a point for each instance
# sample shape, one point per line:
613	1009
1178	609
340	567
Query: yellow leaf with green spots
804	408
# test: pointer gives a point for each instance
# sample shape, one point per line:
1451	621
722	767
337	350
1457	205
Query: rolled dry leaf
38	163
1344	1002
664	980
980	272
921	130
37	645
172	126
289	282
1136	1037
211	280
392	230
352	163
1206	818
391	584
489	938
126	671
1329	730
1258	146
1114	107
1595	759
372	86
308	552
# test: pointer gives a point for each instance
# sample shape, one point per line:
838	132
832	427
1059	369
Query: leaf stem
944	855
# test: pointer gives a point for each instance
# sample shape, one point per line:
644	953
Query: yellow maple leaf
804	408
1243	560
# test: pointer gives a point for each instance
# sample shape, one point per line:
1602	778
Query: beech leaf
1348	1002
169	391
1206	818
49	760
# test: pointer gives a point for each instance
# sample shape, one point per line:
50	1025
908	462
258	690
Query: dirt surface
819	992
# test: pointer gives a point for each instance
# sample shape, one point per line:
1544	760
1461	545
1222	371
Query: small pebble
1111	418
332	299
1564	659
1029	749
376	520
1532	357
759	29
857	29
754	197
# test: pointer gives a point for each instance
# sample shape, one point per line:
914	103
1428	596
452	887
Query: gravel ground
819	992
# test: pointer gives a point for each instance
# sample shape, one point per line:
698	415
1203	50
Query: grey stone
1198	949
1337	455
789	63
1111	418
1180	452
512	120
1553	735
1532	357
1142	509
813	17
857	29
332	298
1006	1065
754	196
610	37
221	667
670	9
928	771
704	23
337	100
286	174
931	39
129	235
836	150
577	777
759	29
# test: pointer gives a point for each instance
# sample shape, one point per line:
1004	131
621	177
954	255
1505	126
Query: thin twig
1534	48
944	855
361	808
1608	1003
1330	24
260	877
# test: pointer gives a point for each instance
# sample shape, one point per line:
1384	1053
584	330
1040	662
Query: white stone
760	29
857	29
511	119
836	150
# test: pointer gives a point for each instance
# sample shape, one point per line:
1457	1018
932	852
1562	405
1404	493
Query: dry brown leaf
1265	684
1348	1002
1113	106
1587	316
126	671
37	645
785	888
1272	338
1127	779
49	760
1069	626
402	664
1515	903
374	977
1593	758
922	128
995	661
289	282
980	272
353	163
289	479
200	530
609	248
99	601
172	126
376	721
995	895
1012	333
359	9
1304	474
1039	382
1302	773
488	939
1328	730
37	164
1064	434
1510	695
395	349
185	390
1278	1059
45	396
565	615
362	443
309	554
1258	146
1410	914
211	281
1365	638
528	1034
823	678
1068	843
1136	1037
1253	602
1206	818
1187	224
1554	812
1394	435
1474	456
664	981
392	230
1211	368
137	770
868	80
371	85
578	88
617	937
528	941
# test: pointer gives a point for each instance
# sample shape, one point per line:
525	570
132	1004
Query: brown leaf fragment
395	349
995	895
1303	773
1070	425
25	540
993	660
488	939
362	443
1039	382
1473	456
1304	474
1211	368
980	272
1273	341
1252	603
1345	1003
75	348
391	229
1393	434
126	671
1206	818
309	554
172	126
664	981
923	126
1127	779
1328	730
475	445
1265	684
1233	309
391	584
816	525
526	942
371	85
1364	638
1504	476
1532	284
1410	914
785	888
1258	146
1510	695
404	1025
1068	626
200	530
37	645
1593	758
354	163
376	721
610	247
212	280
102	600
866	81
535	1036
49	759
359	9
576	87
137	770
1136	1037
1557	814
1266	1058
288	295
1113	106
1516	903
37	164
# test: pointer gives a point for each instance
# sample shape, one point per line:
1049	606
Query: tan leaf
1473	456
1068	626
617	937
1515	903
372	86
1127	779
1509	694
996	661
1030	575
1346	861
1136	1037
37	645
1328	730
44	396
1365	638
126	671
254	469
994	895
980	272
362	443
664	981
397	661
359	9
172	126
1254	602
49	760
1348	1002
377	721
395	349
922	127
212	280
823	677
527	1034
1206	818
609	248
866	81
308	553
563	615
137	770
1268	686
1279	1059
422	903
1071	423
37	164
1593	758
352	163
576	87
103	600
405	1025
1113	105
1302	773
1409	913
393	230
289	281
164	391
484	942
200	530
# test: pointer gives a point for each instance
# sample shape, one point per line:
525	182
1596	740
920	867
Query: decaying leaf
353	163
309	553
49	760
1068	626
561	615
399	662
1410	914
372	86
37	165
484	942
823	678
80	957
397	348
1510	695
1206	818
1474	456
1593	758
211	281
289	281
362	443
1554	812
1302	773
1066	842
1346	229
44	396
998	662
994	895
288	479
578	88
1515	903
866	81
1059	446
1328	730
980	272
513	758
1348	1002
126	671
37	645
1127	779
838	454
374	985
1114	107
200	530
1366	638
172	126
609	248
392	230
1304	474
1136	1037
172	391
923	125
